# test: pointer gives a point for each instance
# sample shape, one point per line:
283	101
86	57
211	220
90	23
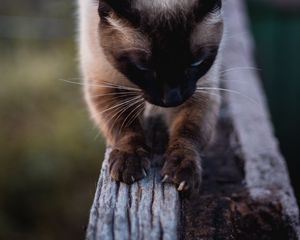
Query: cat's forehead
162	10
159	6
141	11
162	24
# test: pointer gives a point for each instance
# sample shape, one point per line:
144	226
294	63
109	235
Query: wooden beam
144	210
246	191
265	168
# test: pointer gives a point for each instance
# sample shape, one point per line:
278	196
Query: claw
144	172
181	186
165	178
133	179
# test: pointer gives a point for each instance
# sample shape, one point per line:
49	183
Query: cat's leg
191	130
117	114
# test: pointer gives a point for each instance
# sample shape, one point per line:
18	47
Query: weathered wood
266	173
246	192
144	210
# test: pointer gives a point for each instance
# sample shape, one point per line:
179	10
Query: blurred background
50	153
275	25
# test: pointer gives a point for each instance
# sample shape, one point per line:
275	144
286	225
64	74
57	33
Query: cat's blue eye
197	63
142	67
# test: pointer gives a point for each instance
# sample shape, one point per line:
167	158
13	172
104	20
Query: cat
141	57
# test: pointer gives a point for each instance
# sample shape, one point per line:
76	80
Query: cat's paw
183	168
129	166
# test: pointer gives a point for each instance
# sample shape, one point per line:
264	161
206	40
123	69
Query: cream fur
157	6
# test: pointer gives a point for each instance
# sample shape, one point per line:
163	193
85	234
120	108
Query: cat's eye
138	59
197	63
142	67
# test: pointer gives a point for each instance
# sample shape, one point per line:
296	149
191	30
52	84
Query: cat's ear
205	7
104	10
210	4
217	5
121	8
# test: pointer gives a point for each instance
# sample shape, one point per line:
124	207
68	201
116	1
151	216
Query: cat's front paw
183	168
129	166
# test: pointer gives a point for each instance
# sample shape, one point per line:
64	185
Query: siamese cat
141	57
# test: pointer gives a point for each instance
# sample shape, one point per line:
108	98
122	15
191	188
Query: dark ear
217	5
207	6
122	8
104	10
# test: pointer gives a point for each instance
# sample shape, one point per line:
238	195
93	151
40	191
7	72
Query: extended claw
166	177
181	186
144	172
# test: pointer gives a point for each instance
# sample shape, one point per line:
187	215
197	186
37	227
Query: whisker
116	85
134	48
130	115
240	68
229	91
117	94
233	36
122	109
209	93
101	85
119	87
85	84
120	104
98	134
233	80
119	113
140	108
138	113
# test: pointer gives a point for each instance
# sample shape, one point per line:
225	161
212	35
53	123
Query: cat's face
162	46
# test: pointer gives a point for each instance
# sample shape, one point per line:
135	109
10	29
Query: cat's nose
172	97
